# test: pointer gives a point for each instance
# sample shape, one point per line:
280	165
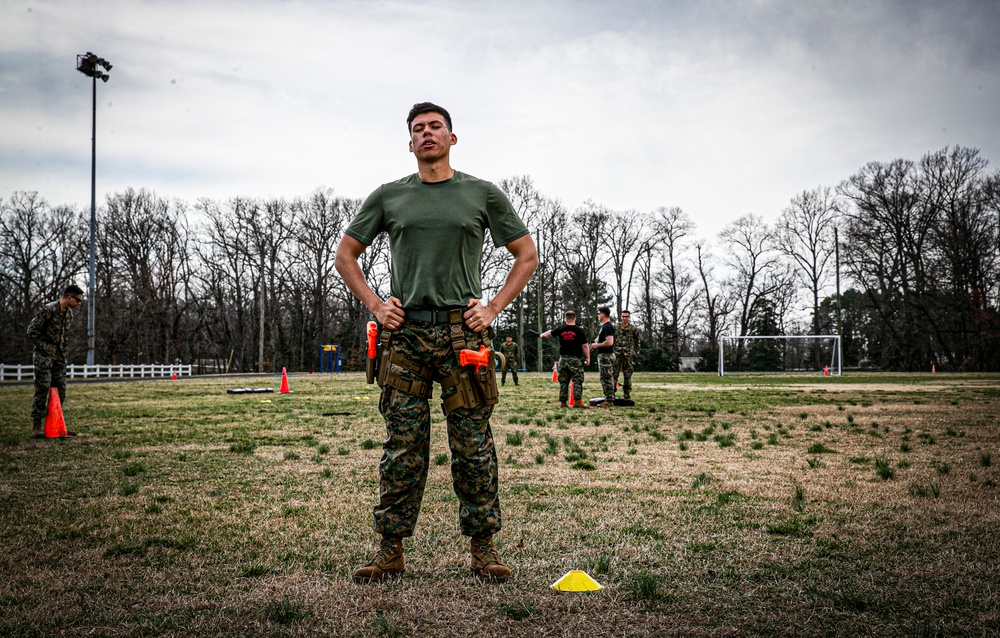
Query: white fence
127	370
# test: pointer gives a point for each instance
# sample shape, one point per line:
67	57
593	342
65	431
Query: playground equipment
329	358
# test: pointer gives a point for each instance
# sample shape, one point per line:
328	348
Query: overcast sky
721	108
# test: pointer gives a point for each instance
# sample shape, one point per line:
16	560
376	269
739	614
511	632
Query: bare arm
389	313
607	343
586	352
480	316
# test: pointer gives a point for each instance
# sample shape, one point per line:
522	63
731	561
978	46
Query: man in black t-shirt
574	354
605	345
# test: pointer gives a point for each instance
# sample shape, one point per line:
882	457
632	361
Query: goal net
811	354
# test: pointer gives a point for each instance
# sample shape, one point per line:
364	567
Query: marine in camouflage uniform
574	356
47	332
604	345
436	221
512	354
626	348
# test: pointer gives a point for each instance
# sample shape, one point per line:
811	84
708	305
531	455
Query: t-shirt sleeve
370	220
505	226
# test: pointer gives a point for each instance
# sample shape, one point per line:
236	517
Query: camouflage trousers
606	364
623	365
570	370
50	372
407	445
512	367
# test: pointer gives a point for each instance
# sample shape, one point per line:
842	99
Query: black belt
435	315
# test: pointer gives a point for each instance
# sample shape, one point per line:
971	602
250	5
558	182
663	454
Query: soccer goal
811	354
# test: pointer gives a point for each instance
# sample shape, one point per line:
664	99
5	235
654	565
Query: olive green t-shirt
436	234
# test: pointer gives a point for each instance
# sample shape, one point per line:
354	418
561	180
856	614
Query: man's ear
411	146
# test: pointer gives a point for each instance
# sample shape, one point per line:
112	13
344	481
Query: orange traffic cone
173	377
933	369
55	425
571	401
284	382
555	372
826	371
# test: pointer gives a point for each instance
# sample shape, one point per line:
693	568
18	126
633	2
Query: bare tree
620	238
716	304
805	233
582	259
749	246
321	218
41	250
148	266
228	280
672	226
886	236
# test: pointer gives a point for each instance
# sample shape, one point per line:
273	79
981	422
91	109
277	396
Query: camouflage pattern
623	365
606	364
47	332
626	347
570	369
512	353
627	340
406	449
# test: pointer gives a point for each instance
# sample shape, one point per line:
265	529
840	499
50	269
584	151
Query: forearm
387	312
354	278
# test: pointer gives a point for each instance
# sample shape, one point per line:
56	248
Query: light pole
89	65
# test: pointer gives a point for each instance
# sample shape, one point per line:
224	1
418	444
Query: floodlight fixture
87	64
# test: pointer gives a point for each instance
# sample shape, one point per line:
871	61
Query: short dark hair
604	310
72	289
626	312
427	107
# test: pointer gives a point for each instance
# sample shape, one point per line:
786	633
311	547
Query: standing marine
512	356
626	350
436	220
47	332
604	345
574	356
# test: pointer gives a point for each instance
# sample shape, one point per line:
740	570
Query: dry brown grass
182	510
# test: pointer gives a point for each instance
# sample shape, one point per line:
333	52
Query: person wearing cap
48	334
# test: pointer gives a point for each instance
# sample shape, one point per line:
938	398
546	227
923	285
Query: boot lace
484	547
386	549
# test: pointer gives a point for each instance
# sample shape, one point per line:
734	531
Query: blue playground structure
329	358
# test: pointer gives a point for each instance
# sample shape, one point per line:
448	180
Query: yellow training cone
577	580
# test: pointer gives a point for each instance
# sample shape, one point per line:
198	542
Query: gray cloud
719	107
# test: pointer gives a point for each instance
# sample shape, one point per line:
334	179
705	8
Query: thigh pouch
396	371
474	387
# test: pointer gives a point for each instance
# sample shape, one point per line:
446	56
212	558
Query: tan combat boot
486	562
387	562
37	429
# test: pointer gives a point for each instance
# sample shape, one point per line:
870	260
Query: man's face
625	318
603	318
430	139
509	339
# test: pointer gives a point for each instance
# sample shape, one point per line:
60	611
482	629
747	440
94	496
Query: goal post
808	354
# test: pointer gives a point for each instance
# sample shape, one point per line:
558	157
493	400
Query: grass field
865	505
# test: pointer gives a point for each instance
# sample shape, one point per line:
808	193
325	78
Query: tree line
245	284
